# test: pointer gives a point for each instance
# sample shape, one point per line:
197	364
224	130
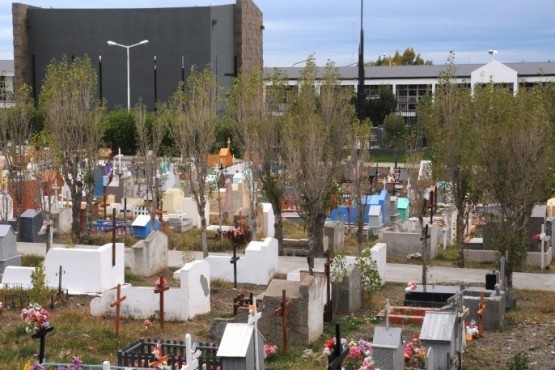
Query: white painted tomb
190	299
256	266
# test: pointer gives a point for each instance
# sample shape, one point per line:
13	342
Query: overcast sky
330	29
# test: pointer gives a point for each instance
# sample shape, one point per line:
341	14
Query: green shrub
519	362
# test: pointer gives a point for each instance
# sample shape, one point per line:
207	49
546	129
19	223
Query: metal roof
7	66
438	326
420	71
5	230
235	341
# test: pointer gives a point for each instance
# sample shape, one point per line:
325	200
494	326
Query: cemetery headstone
8	248
439	331
31	223
387	346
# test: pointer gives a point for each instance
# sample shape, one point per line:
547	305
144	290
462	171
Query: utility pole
360	90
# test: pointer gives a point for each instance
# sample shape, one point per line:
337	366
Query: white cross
192	359
253	320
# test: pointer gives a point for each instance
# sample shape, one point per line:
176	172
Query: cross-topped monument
192	359
117	304
282	312
59	274
161	285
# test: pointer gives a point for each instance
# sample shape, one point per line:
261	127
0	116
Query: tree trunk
76	215
203	235
315	228
460	238
278	230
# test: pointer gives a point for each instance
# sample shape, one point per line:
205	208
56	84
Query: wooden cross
282	311
117	304
481	311
335	360
114	228
161	286
328	314
241	301
234	260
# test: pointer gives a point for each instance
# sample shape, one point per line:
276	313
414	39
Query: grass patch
31	260
294	230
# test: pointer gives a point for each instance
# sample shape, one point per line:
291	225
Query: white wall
256	266
190	208
269	220
190	299
85	270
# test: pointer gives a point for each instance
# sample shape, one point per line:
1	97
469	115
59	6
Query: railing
105	366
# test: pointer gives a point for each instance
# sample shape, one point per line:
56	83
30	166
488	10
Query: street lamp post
127	47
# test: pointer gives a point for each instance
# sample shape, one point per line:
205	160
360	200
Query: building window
409	95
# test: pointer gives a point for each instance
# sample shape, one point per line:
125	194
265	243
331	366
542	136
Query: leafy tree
314	142
149	139
515	154
358	138
381	106
193	125
408	58
16	128
447	121
73	115
120	131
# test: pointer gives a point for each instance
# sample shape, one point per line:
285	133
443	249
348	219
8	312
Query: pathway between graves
403	273
395	272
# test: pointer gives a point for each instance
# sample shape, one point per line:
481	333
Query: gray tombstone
347	294
8	248
387	348
31	223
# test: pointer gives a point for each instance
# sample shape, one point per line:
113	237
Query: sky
520	31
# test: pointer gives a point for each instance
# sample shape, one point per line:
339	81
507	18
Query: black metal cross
234	260
60	280
335	360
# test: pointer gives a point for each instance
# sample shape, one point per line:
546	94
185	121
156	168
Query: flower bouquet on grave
411	285
33	364
270	350
161	283
415	353
359	357
76	364
35	317
471	330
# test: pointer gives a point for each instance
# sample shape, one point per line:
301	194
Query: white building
410	83
6	83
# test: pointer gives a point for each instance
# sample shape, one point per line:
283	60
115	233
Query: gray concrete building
228	38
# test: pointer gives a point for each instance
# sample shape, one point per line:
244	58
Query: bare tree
193	127
515	161
16	127
73	115
247	111
447	120
149	138
358	139
315	136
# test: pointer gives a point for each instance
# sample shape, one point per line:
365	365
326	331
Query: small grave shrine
8	248
387	345
142	226
31	222
441	333
430	295
242	345
494	300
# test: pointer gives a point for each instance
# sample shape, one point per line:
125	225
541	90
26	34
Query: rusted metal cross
481	311
117	304
282	311
161	285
